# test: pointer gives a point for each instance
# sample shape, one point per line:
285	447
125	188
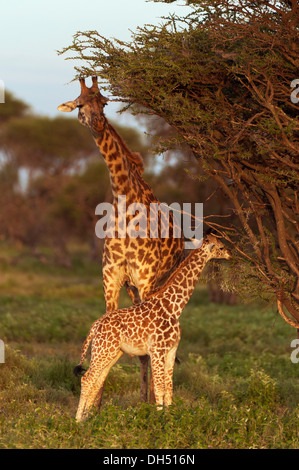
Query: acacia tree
221	78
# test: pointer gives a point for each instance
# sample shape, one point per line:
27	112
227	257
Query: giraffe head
90	104
215	248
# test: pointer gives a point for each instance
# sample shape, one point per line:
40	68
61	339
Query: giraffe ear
211	246
67	107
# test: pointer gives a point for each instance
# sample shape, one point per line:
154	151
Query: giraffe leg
104	374
92	384
152	392
98	400
169	365
144	362
112	276
158	370
88	382
111	300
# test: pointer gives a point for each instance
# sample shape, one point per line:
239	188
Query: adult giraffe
143	263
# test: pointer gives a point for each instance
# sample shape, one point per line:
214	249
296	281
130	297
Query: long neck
114	154
181	284
125	168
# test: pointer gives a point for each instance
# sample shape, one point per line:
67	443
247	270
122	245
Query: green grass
235	387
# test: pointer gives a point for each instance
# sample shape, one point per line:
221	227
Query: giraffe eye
80	106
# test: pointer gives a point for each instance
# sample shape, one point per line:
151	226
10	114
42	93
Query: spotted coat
139	264
151	328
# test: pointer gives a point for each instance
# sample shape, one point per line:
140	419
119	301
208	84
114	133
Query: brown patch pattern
150	328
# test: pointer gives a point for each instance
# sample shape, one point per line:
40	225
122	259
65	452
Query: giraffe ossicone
151	328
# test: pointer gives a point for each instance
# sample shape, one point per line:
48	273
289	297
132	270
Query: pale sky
31	31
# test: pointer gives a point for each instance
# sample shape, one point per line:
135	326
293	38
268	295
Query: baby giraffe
151	327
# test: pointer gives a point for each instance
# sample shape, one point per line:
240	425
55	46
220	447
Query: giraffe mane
133	157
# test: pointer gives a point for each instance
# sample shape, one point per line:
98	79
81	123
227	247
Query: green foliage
262	390
235	386
46	421
54	375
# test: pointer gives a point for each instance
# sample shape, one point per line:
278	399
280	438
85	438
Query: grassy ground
236	386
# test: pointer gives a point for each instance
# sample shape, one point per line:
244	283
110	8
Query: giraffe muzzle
67	107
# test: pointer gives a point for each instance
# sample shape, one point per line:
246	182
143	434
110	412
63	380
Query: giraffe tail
78	370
